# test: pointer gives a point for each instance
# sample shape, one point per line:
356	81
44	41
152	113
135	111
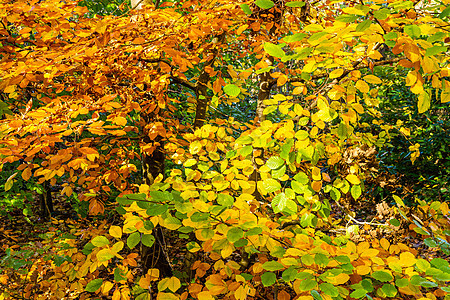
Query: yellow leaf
405	131
10	182
106	287
358	107
370	253
353	179
227	250
172	284
117	247
121	121
430	65
195	147
340	279
363	270
372	79
407	259
205	295
362	86
411	78
241	293
424	102
336	73
445	94
115	231
168	296
384	243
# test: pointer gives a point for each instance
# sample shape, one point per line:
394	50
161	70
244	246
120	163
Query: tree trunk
201	88
153	165
46	201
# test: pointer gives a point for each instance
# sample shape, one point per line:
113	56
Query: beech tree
260	207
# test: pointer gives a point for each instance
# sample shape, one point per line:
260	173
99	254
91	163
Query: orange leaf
26	174
121	121
96	207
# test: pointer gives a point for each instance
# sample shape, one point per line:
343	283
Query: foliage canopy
134	111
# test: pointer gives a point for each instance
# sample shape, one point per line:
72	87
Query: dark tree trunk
46	201
153	165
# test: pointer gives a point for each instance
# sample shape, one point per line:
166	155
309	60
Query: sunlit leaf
274	50
232	90
264	4
94	285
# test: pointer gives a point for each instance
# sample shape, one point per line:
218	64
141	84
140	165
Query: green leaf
275	162
316	36
307	285
274	50
422	265
119	275
254	231
289	274
382	14
356	191
157	209
363	25
321	260
335	194
430	242
439	263
401	282
358	293
307	259
100	241
347	18
382	276
308	219
268	278
264	4
394	222
272	266
445	13
225	200
329	289
232	90
301	177
412	30
192	246
235	234
271	185
315	294
399	5
438	36
133	240
294	38
148	240
342	131
60	259
367	285
296	4
389	290
435	50
279	202
247	150
246	9
94	285
263	70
